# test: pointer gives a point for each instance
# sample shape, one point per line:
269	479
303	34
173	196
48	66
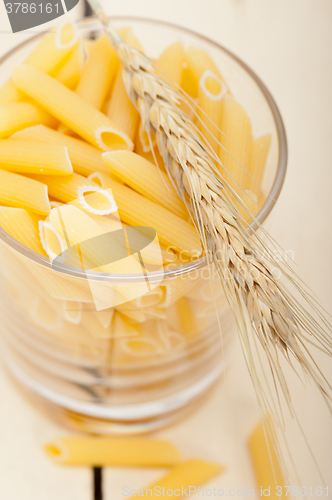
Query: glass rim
263	213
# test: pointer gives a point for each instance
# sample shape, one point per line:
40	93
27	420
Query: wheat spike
261	303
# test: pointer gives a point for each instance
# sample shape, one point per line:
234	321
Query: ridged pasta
50	53
70	73
171	62
84	157
19	115
196	62
259	150
21	192
21	226
141	175
65	188
70	109
98	73
34	158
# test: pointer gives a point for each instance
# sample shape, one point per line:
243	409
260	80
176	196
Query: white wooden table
288	43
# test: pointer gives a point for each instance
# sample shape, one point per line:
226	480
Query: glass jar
146	362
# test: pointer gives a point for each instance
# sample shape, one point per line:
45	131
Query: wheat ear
260	302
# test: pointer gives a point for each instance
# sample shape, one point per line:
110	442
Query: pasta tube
21	192
259	150
137	210
142	176
121	110
98	73
70	109
84	157
171	62
19	115
197	61
70	73
211	90
185	477
266	464
34	158
106	451
235	140
21	226
65	188
50	53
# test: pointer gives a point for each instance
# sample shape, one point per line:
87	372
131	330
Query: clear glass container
162	353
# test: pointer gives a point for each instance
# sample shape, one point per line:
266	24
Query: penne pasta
19	115
197	61
65	188
50	53
259	150
211	90
85	158
21	226
141	175
171	230
21	192
34	158
70	109
121	110
98	73
171	62
113	451
122	328
105	318
70	73
143	148
235	140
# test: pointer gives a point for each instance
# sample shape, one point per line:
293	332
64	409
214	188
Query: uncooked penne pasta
259	150
143	148
50	53
121	110
105	318
98	73
145	178
262	445
85	158
19	115
21	192
197	61
211	90
235	141
171	62
171	230
72	311
34	158
250	201
113	451
70	73
21	226
65	188
70	109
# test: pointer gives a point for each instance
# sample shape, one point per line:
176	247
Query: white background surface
288	43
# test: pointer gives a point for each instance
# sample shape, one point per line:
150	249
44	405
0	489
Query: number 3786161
31	8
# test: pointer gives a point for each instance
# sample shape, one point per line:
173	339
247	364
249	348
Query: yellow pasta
85	158
143	148
19	115
70	109
171	62
121	110
110	451
259	150
174	289
142	176
171	230
70	73
121	327
21	226
65	188
250	200
196	62
235	140
105	318
21	192
182	480
211	90
267	467
34	158
98	73
48	56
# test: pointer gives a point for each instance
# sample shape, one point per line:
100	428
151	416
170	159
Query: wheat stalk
261	303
